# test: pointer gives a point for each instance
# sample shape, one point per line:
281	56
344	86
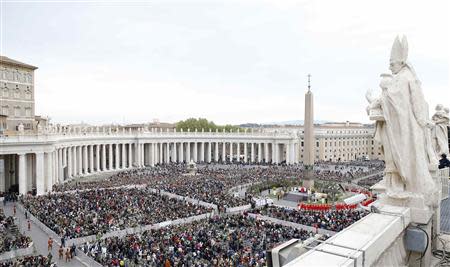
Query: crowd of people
333	220
99	211
212	182
346	171
368	182
29	261
234	240
10	240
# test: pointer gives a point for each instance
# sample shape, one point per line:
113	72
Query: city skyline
239	62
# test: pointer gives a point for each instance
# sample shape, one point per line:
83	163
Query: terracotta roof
8	61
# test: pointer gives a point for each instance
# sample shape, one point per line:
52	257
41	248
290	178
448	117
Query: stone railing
375	240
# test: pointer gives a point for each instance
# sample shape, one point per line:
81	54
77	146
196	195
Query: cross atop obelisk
309	82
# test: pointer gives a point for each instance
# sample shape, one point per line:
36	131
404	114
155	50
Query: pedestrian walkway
39	237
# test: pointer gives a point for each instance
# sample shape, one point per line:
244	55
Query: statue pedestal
421	216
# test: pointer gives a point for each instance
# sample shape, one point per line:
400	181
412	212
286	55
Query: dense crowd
368	182
346	171
99	211
9	240
233	240
29	261
213	182
333	220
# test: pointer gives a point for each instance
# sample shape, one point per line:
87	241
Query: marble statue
440	131
404	130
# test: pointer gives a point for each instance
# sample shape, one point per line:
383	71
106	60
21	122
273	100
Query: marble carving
404	130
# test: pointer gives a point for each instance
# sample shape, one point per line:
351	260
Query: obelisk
308	127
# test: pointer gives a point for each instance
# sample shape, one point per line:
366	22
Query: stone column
91	158
80	160
288	153
208	152
60	166
245	152
49	171
292	152
142	162
148	154
117	157
64	156
174	152
110	157
40	176
124	156
238	152
216	152
137	154
167	152
275	152
188	152
181	152
202	151
152	153
259	152
195	152
75	161
97	158
55	167
85	160
231	151
69	161
161	159
224	156
23	183
103	157
130	156
252	152
266	152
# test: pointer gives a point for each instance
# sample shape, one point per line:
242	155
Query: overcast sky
227	61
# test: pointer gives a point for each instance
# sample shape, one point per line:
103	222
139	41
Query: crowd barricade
16	253
326	207
238	209
316	207
292	224
239	187
187	199
139	229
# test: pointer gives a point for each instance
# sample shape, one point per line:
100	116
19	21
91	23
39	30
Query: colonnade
43	168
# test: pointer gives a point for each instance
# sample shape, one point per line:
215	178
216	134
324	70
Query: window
17	93
5	110
28	112
28	93
5	91
17	111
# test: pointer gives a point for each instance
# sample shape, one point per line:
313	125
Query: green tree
202	123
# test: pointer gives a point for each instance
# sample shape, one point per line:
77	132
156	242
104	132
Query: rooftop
9	61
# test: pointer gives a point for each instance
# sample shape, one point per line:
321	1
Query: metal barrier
9	255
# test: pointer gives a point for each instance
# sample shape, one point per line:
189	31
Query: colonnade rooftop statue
404	129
